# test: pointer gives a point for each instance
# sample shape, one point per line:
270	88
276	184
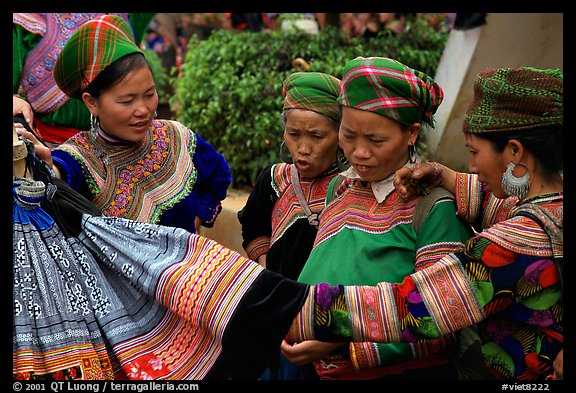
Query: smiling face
312	140
375	145
127	108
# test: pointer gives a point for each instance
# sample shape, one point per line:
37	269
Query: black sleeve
262	319
256	216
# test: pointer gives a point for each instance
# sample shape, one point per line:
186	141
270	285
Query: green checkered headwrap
312	91
93	47
391	89
511	99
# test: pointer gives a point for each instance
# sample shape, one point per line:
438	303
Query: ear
90	103
414	132
516	151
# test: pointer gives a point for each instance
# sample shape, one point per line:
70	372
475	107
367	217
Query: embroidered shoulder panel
357	209
139	182
287	209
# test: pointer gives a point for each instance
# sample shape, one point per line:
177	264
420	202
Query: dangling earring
515	186
412	156
94	125
155	115
341	160
285	155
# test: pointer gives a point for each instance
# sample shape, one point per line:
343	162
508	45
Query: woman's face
312	141
375	145
127	108
487	163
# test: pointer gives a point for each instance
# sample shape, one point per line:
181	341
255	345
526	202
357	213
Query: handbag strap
312	217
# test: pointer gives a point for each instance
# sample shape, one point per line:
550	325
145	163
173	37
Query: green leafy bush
229	88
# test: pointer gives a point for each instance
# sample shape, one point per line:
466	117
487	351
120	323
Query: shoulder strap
552	226
333	187
312	217
426	202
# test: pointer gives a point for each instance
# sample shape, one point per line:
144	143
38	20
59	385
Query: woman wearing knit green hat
508	278
367	234
280	218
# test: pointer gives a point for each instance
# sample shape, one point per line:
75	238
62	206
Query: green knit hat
511	99
314	91
93	47
391	89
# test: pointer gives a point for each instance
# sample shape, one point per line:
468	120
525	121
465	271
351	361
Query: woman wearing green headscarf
280	219
366	233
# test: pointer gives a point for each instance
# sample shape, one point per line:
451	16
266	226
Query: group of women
351	268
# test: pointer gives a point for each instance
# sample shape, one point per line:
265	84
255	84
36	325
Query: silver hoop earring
341	160
515	186
285	155
412	154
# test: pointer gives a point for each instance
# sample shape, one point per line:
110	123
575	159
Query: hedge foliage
229	87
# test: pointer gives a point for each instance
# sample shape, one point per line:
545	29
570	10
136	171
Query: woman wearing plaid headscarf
37	39
130	164
366	233
280	219
508	278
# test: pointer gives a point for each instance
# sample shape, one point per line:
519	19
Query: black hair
116	72
545	143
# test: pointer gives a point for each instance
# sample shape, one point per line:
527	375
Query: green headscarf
314	91
391	89
93	47
511	99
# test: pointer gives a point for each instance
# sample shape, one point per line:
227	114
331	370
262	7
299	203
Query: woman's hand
308	351
22	106
558	365
41	150
418	180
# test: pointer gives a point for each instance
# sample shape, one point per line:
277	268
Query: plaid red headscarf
391	89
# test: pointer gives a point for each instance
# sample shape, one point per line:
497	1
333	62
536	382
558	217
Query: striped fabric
93	47
478	207
391	89
314	91
122	300
142	181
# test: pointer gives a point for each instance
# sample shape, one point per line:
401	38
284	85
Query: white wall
506	40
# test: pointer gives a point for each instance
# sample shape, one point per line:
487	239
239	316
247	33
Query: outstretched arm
414	181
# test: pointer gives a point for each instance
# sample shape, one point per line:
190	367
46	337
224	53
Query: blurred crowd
168	33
